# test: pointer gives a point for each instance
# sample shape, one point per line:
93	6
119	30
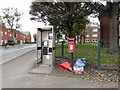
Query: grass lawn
90	53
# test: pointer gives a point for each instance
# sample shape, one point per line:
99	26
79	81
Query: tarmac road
15	74
9	53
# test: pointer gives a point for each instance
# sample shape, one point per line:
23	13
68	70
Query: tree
11	18
35	37
65	16
113	15
110	10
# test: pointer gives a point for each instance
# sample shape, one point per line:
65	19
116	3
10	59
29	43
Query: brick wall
4	34
13	35
28	38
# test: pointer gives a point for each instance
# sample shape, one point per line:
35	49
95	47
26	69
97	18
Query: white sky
24	7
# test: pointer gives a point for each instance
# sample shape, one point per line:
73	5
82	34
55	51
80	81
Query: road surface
9	53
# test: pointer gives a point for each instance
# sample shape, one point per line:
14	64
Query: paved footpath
15	74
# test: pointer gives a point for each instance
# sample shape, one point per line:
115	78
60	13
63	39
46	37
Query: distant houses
27	36
13	35
90	35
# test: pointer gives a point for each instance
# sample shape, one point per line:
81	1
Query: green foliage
59	36
81	26
68	17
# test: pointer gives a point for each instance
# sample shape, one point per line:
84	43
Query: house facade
92	33
0	29
28	36
3	35
12	35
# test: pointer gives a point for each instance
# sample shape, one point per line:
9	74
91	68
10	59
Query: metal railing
94	54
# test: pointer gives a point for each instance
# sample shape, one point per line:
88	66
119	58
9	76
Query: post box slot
71	46
71	41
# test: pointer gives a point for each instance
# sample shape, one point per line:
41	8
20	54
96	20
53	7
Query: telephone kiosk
46	46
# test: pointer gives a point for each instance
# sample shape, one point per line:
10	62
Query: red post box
71	45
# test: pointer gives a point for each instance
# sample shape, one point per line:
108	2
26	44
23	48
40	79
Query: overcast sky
24	7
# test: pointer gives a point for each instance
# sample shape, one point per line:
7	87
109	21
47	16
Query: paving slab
42	69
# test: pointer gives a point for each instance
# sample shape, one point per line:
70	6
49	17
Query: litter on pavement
65	66
79	66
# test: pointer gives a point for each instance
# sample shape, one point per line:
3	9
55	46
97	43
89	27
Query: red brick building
3	35
91	34
13	35
28	36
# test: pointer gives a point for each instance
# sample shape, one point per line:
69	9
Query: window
5	41
87	35
94	35
94	40
5	33
95	30
1	33
87	40
9	30
16	35
1	42
10	35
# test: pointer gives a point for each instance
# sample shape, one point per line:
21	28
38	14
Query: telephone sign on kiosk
71	45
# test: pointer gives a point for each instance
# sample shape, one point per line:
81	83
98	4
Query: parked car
64	40
10	43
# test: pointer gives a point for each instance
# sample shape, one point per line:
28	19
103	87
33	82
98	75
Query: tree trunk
113	32
113	27
71	33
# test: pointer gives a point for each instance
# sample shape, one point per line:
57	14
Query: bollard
98	66
62	49
72	59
